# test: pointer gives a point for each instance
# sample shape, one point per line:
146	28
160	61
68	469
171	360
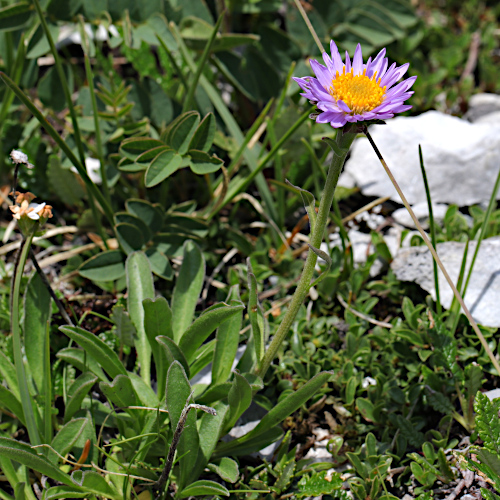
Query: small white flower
367	381
34	210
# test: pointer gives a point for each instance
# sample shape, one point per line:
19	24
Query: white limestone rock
483	293
461	159
482	105
421	210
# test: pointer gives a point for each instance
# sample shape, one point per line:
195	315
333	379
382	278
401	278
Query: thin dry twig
383	324
471	63
9	247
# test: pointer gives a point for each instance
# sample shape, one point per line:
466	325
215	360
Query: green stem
16	344
201	65
342	144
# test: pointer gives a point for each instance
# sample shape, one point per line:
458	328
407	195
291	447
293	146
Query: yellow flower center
359	92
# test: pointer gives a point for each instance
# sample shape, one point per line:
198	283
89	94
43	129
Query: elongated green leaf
203	326
226	468
256	314
100	351
144	392
187	289
228	336
239	447
178	392
286	407
140	287
11	403
183	131
201	64
135	146
177	396
202	163
24	454
239	399
172	353
160	265
201	488
77	392
81	360
120	392
66	438
8	372
63	492
204	135
130	237
158	322
15	16
105	266
127	218
165	164
151	215
95	483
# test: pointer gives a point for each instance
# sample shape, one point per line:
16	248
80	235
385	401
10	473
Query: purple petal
357	62
327	117
322	74
343	106
376	65
401	87
328	106
389	81
319	91
336	59
338	120
347	62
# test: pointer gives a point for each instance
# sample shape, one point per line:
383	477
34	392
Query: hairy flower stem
435	255
340	148
26	401
169	462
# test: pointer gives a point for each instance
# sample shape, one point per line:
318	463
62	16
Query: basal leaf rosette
356	92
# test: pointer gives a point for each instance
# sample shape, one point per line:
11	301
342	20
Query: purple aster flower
354	92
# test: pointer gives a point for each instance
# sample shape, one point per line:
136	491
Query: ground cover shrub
204	154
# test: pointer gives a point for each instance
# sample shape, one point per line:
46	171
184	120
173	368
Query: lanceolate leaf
199	331
140	287
36	314
228	335
187	289
282	410
202	488
100	351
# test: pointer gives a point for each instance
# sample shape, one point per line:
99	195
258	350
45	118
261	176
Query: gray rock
401	215
483	293
481	105
493	118
461	159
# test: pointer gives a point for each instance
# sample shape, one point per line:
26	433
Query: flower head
31	210
19	158
20	197
354	92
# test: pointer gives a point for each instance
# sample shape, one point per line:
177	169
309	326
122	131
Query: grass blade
432	228
201	64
